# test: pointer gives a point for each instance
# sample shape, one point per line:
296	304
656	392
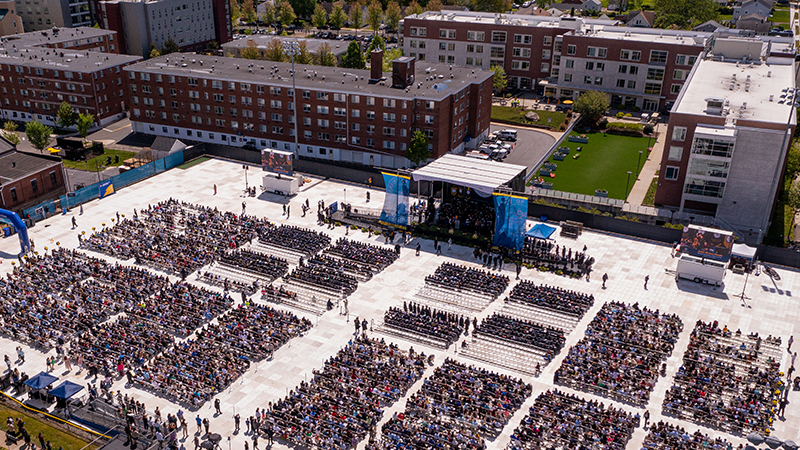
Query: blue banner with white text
395	203
511	213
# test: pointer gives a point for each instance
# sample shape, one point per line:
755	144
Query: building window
572	49
498	36
655	74
447	34
679	133
620	83
476	36
675	153
679	74
658	57
630	55
652	88
685	60
34	186
671	173
14	194
596	52
675	88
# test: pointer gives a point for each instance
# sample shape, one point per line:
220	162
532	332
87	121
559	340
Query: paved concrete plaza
626	260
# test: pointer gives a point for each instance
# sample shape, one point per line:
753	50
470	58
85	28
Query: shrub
603	124
625	126
562	127
674	226
628	115
621	114
648	129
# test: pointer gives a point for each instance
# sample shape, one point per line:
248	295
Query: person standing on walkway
791	341
646	417
74	223
8	362
605	278
21	355
449	243
646	279
199	423
206	424
216	401
215	189
236	421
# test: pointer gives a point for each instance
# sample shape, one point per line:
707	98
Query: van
507	135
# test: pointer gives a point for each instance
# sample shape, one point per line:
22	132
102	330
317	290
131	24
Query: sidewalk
650	167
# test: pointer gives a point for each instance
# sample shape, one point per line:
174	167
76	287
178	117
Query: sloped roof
482	175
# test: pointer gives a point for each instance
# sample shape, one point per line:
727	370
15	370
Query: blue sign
511	213
395	204
106	188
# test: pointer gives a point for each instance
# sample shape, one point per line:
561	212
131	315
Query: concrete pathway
650	167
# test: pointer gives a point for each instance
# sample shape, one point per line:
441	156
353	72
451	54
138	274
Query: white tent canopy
744	251
480	175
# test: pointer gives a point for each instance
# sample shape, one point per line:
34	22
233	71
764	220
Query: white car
526	4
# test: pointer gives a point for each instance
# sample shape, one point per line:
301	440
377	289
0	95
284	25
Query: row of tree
40	135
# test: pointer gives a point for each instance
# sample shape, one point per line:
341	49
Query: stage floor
626	261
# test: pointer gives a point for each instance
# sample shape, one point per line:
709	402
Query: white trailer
701	270
281	184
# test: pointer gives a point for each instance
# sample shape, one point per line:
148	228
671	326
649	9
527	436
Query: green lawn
780	16
650	196
603	164
515	114
194	162
35	426
781	228
89	164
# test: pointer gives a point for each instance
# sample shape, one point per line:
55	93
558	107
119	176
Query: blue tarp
41	381
66	390
541	231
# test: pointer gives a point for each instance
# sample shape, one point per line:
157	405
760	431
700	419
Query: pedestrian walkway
650	167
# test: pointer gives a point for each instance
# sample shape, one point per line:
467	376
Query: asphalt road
108	135
530	148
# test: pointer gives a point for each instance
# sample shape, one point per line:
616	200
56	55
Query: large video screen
707	243
276	161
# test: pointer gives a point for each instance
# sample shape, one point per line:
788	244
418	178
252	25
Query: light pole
791	95
292	48
627	183
246	185
345	195
637	164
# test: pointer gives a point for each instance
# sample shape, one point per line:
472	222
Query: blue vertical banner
106	188
511	213
395	203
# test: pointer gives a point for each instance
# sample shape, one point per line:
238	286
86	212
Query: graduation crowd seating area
728	380
426	323
297	239
346	399
665	436
621	353
561	420
367	255
554	257
457	407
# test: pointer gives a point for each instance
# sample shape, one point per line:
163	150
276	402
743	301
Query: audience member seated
255	330
456	408
665	436
343	265
621	354
460	278
727	380
467	215
418	319
323	277
375	257
342	402
554	298
524	333
294	238
269	267
552	257
560	420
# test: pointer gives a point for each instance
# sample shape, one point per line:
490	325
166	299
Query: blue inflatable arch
22	229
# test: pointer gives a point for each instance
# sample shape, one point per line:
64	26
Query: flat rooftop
432	80
674	37
73	36
510	19
338	47
63	59
15	165
728	80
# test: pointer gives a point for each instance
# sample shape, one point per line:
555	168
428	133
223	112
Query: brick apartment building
728	136
192	24
360	116
39	70
639	67
522	45
27	179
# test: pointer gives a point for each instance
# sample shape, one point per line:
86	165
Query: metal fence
92	191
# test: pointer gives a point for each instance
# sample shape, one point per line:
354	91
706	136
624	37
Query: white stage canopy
481	175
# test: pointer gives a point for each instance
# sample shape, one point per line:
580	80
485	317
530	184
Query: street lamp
627	183
345	195
792	95
246	168
292	48
637	164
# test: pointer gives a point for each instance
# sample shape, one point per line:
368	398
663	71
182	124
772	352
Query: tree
65	115
10	132
337	17
377	42
274	51
249	13
286	15
303	8
269	14
684	13
236	11
250	50
374	15
793	198
213	45
434	5
38	135
389	56
325	56
500	78
85	121
490	5
353	59
170	46
303	56
393	15
154	51
413	8
357	15
543	3
793	161
418	150
592	105
320	17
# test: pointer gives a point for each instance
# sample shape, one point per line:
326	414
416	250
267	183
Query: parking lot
530	148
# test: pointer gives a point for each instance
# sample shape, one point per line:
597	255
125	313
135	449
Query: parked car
507	135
